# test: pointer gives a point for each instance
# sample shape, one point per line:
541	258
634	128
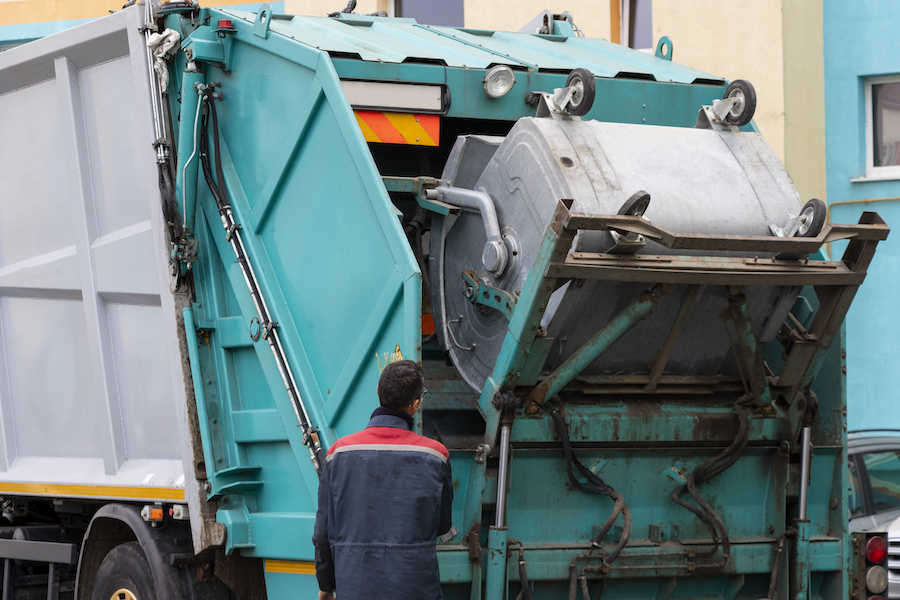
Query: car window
883	469
855	502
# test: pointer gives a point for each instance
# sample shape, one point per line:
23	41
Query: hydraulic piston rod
805	458
599	343
500	520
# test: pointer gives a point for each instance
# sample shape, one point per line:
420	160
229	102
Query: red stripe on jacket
389	436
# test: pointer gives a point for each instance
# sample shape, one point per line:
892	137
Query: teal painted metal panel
283	125
403	40
282	586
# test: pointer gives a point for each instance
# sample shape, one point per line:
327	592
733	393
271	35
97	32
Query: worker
384	498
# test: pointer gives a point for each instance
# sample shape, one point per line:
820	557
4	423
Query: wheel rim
808	216
740	101
123	594
577	92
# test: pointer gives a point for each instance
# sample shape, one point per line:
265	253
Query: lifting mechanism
835	283
780	260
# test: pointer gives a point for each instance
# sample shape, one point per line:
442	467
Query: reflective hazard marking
291	566
399	128
91	491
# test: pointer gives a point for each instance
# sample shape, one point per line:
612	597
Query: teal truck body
325	187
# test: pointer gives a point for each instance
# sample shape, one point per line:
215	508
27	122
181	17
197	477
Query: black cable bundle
710	469
595	485
217	185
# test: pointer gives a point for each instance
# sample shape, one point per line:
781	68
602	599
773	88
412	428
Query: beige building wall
804	94
591	16
734	40
18	12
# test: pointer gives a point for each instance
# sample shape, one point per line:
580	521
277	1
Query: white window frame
873	172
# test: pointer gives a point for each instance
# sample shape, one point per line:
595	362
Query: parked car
874	505
874	479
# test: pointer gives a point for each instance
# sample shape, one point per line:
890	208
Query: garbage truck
217	226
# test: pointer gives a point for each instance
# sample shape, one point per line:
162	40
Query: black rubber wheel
741	113
636	205
585	88
124	575
813	214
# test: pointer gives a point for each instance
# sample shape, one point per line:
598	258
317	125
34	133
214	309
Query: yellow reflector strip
91	491
291	566
399	128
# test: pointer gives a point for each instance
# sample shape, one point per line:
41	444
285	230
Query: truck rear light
152	514
876	550
876	579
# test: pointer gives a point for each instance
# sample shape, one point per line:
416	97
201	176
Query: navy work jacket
384	497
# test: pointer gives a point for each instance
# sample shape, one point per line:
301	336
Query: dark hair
401	383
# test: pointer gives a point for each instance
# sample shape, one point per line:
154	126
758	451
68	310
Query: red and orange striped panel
399	128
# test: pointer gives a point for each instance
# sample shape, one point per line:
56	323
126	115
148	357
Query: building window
429	12
637	24
883	127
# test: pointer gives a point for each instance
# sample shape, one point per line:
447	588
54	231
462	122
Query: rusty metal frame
866	230
835	282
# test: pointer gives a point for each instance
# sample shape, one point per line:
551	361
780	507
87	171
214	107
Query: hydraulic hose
710	469
525	593
269	327
595	485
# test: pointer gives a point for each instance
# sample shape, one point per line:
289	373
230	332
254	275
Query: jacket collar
388	417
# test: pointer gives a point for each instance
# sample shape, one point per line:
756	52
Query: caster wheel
742	111
583	98
636	205
813	215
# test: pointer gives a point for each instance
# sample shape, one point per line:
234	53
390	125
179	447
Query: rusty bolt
532	408
834	503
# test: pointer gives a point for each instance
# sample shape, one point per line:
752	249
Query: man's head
401	385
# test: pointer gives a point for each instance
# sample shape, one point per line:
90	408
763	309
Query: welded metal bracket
418	186
485	295
713	117
263	19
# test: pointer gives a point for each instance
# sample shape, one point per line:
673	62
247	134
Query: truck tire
124	575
